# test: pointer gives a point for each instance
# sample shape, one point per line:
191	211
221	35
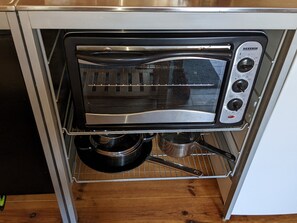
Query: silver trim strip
151	85
152	179
151	48
182	58
81	61
75	132
151	8
156	116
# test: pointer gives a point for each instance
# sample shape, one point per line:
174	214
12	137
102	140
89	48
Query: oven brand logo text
250	48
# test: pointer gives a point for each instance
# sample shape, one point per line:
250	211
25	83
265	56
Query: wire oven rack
69	130
211	165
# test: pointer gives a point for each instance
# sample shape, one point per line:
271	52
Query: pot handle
148	137
174	165
85	148
201	142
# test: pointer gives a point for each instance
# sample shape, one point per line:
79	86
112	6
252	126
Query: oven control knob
235	104
240	85
245	65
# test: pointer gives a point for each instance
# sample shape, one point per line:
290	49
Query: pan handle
174	165
204	145
148	137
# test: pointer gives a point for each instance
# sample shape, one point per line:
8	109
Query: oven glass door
145	88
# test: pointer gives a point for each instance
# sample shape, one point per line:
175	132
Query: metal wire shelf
70	131
210	164
150	85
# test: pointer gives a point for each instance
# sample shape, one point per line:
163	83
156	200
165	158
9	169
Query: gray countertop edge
8	8
156	9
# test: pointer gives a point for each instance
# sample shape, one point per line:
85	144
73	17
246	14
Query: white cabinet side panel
271	183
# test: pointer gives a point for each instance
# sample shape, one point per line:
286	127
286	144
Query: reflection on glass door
187	83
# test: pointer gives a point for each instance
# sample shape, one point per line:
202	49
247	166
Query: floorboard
182	201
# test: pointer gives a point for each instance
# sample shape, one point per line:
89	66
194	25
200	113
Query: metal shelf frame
9	20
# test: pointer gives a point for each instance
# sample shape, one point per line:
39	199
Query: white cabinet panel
270	186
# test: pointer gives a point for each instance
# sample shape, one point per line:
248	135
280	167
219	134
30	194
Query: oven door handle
138	58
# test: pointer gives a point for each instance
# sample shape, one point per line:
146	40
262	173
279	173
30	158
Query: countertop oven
162	80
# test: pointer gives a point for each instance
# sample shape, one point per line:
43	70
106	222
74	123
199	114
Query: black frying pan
132	152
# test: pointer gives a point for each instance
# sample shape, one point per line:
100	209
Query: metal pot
182	145
125	156
131	153
106	141
125	153
128	155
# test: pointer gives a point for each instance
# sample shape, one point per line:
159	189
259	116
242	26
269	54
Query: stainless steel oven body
168	80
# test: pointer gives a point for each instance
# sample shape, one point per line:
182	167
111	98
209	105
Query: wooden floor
185	201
